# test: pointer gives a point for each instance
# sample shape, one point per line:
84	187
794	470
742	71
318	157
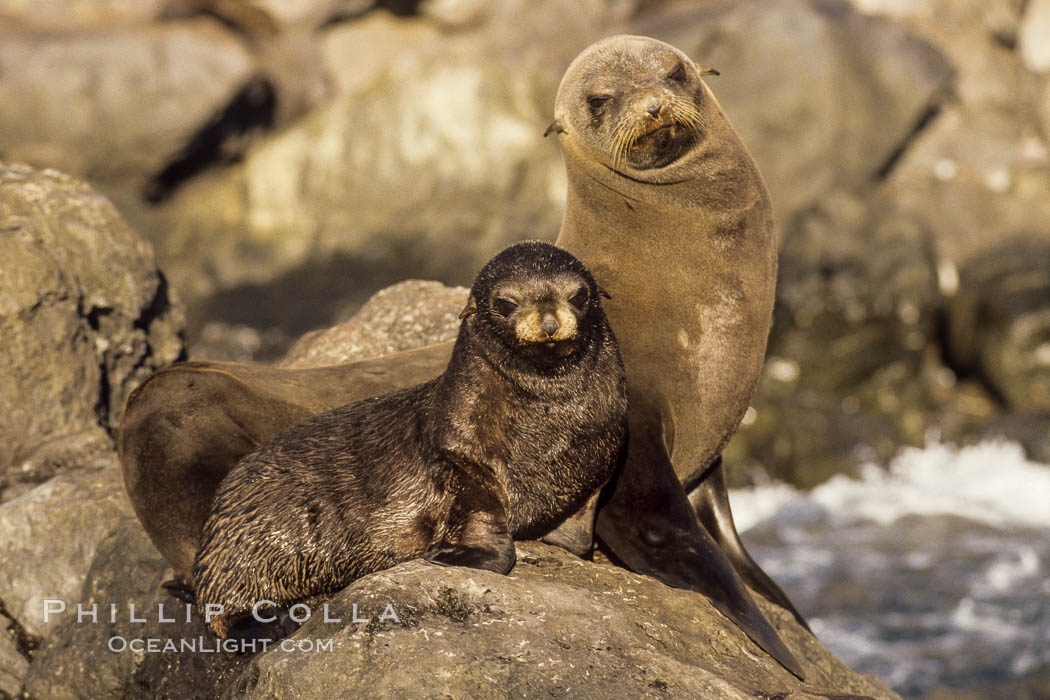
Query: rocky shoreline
285	161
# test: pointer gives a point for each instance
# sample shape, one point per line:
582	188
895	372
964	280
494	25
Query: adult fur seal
522	427
668	210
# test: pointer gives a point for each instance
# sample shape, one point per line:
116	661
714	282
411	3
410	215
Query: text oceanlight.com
262	612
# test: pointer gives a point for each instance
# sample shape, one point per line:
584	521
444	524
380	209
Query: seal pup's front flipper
481	538
711	500
650	526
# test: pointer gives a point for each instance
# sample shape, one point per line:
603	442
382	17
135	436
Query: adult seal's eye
579	299
596	102
678	74
505	307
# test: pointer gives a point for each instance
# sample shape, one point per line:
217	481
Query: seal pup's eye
596	102
678	74
505	307
579	299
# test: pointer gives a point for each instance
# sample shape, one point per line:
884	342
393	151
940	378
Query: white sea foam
991	482
958	600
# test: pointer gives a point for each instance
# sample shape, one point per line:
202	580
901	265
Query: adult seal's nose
653	106
550	325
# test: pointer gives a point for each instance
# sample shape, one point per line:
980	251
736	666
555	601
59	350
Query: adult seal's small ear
555	127
706	70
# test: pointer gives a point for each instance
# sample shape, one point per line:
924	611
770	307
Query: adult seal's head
636	106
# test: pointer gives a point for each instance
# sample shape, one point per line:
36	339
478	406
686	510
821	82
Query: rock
822	95
356	54
374	186
848	353
558	625
48	538
403	316
114	105
84	314
1032	41
13	662
978	171
82	658
999	323
65	15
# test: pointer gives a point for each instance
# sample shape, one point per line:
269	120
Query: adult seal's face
634	105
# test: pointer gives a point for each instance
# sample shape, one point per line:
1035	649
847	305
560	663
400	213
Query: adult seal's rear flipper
649	525
711	500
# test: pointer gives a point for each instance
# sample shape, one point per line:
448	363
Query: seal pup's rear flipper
180	589
711	500
650	526
576	533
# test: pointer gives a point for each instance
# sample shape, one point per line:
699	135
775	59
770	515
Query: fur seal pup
668	210
522	427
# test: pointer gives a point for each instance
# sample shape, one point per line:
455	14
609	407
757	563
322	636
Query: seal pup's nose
550	325
653	107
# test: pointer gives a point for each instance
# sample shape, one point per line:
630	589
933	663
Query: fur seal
668	210
523	426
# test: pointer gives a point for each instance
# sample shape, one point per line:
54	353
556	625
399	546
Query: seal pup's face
536	300
634	103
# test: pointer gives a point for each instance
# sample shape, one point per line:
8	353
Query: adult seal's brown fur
523	426
668	210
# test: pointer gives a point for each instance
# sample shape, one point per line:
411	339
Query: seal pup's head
634	104
537	301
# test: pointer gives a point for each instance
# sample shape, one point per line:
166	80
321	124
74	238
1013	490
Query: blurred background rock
287	159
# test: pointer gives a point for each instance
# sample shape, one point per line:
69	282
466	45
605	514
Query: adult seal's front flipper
649	525
711	500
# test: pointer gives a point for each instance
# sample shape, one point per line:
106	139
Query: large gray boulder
403	316
48	538
114	105
426	170
84	317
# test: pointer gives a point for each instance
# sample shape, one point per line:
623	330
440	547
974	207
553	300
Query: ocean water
933	571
